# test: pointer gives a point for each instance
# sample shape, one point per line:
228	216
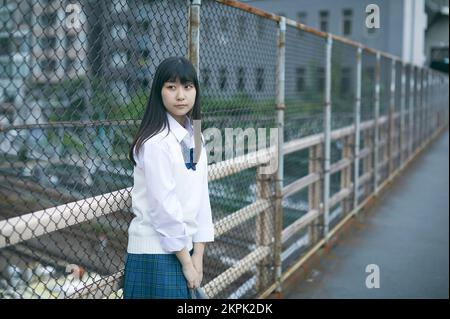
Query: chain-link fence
74	82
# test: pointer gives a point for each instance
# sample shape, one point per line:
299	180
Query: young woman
170	197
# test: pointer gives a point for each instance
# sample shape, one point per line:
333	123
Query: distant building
436	36
59	48
15	38
402	22
37	47
130	35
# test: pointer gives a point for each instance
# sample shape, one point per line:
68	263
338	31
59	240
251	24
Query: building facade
402	22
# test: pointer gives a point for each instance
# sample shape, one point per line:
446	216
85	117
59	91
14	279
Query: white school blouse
170	202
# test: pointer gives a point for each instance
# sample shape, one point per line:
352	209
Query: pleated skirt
154	276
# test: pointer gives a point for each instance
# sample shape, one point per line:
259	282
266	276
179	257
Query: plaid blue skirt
154	276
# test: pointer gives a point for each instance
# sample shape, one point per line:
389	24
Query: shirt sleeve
167	216
205	232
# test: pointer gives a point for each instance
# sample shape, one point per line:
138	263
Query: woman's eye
187	86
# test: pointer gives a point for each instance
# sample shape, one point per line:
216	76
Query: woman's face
178	99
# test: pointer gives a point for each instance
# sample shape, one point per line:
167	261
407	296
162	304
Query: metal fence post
425	106
327	133
357	127
367	162
194	34
391	141
315	190
194	54
412	85
376	125
419	107
264	230
280	172
346	173
402	115
428	106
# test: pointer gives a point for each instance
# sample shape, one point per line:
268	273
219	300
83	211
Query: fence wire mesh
238	78
304	100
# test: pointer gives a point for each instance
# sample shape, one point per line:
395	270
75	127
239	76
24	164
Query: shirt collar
179	131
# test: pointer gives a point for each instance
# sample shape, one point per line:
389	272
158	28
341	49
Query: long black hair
155	118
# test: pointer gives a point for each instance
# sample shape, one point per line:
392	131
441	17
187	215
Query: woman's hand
193	278
197	260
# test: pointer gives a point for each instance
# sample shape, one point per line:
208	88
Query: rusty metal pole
264	231
412	85
427	106
357	127
376	125
419	108
194	34
426	96
402	115
194	57
418	115
280	105
391	142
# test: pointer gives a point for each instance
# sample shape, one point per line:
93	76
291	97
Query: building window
347	15
48	3
206	76
241	79
119	31
223	78
144	57
144	25
369	73
260	29
323	20
71	38
5	47
175	31
320	79
242	27
120	90
5	69
300	79
48	65
206	25
345	81
160	33
119	59
48	43
224	24
302	18
10	95
144	84
19	44
119	6
259	79
70	65
48	19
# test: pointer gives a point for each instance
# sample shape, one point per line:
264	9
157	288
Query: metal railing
351	119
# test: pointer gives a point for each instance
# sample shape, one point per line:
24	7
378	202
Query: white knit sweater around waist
170	202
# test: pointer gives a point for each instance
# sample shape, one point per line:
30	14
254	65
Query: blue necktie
188	153
191	165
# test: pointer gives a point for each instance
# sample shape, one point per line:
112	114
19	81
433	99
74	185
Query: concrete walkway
406	235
